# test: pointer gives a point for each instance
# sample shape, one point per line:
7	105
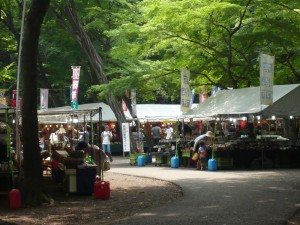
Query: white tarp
158	112
65	113
287	105
247	101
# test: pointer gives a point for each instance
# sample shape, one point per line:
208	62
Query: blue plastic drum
174	162
141	160
212	165
149	158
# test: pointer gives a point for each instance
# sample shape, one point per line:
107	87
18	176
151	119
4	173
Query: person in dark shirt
156	134
3	148
80	150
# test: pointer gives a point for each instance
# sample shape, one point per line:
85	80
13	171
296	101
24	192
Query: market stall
239	119
8	166
185	130
52	119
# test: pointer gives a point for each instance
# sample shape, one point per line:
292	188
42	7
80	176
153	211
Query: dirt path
129	195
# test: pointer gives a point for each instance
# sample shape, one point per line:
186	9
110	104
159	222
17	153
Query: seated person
3	148
80	151
98	155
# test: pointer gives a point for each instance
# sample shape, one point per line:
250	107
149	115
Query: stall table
6	181
161	158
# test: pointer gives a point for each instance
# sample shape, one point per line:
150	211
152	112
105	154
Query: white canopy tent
157	112
84	111
238	102
287	105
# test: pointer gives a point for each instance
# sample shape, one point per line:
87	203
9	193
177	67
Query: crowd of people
77	142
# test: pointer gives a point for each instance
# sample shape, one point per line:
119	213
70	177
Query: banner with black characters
126	137
266	79
74	88
185	91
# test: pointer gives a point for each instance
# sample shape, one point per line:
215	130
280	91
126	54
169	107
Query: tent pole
100	146
18	140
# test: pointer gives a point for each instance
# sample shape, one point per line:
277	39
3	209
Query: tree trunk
76	29
33	174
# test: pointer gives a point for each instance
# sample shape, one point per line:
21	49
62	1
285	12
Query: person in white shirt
169	132
84	134
106	136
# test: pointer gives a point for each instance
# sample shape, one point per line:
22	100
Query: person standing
201	164
204	137
155	133
169	132
106	136
84	134
42	140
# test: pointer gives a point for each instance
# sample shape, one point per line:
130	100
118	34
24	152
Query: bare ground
128	195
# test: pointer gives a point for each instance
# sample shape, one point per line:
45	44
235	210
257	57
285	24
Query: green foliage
144	44
7	78
219	41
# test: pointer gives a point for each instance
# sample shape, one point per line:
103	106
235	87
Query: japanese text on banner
126	137
75	85
185	90
266	79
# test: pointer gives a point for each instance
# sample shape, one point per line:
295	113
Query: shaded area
129	195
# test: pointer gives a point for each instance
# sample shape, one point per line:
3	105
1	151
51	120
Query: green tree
11	12
219	41
74	25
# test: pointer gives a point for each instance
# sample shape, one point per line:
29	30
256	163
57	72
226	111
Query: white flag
266	79
185	91
44	99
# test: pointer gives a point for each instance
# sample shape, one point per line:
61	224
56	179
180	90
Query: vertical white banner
133	103
44	93
266	69
75	85
185	90
126	137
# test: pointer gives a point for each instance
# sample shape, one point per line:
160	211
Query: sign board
266	79
126	137
185	91
75	85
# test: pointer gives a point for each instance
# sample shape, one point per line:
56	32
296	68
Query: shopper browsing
106	136
201	164
169	132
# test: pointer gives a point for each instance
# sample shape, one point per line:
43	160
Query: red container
101	190
15	199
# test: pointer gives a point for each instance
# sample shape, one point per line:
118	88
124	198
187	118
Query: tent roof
60	114
287	105
155	112
159	112
244	101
